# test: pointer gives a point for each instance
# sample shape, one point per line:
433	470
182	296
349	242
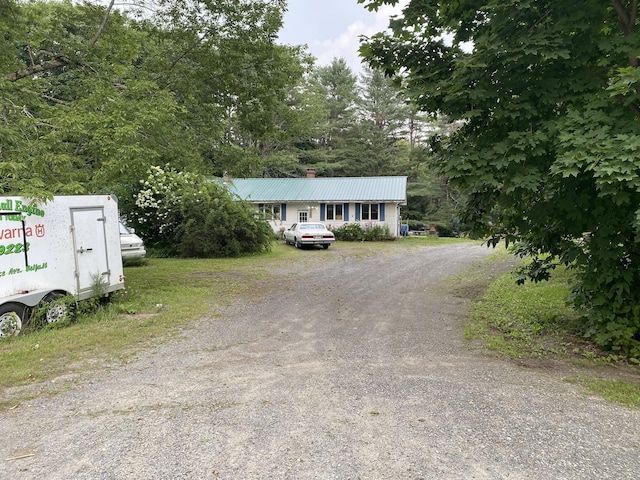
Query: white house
335	201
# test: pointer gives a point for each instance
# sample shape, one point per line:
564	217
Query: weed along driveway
347	367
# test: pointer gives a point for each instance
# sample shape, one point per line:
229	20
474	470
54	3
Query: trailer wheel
11	316
56	309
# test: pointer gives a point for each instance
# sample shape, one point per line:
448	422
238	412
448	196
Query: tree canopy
92	96
95	95
547	96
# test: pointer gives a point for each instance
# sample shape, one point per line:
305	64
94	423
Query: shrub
445	229
184	214
349	232
352	232
376	233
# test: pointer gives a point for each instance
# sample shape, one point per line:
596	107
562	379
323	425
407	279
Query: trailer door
90	244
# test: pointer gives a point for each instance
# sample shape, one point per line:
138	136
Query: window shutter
358	207
382	212
345	212
283	212
323	209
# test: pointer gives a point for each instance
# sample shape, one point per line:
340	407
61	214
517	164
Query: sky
331	28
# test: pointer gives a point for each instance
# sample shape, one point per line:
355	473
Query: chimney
311	173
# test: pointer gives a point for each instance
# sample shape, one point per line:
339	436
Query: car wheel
325	245
296	243
11	316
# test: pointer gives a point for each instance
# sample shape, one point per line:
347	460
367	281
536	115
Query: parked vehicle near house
307	233
67	246
131	245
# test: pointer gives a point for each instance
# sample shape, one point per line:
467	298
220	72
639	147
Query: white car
307	233
131	245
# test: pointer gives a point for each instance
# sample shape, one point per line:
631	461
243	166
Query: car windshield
124	230
312	226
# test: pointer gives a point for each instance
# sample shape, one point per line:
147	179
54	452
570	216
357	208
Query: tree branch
622	14
40	67
627	18
102	25
186	52
46	97
59	61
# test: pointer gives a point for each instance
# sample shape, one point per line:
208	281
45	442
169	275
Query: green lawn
534	321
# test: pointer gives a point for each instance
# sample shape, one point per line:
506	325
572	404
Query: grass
535	322
523	320
430	240
615	391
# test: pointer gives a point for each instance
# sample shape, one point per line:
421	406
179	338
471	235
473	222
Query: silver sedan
307	233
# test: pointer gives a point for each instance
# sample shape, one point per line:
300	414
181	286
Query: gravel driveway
356	370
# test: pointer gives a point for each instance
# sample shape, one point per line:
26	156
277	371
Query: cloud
346	44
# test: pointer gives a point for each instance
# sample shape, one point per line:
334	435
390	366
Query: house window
269	211
370	211
303	216
334	211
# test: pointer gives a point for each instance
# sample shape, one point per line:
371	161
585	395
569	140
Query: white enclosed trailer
67	246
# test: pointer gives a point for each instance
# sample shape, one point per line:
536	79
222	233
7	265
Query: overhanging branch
103	24
59	61
37	68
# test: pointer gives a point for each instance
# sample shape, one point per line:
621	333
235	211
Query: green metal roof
319	189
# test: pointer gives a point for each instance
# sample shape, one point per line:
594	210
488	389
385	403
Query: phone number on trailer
13	248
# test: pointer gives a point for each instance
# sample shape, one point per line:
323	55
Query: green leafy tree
547	94
90	96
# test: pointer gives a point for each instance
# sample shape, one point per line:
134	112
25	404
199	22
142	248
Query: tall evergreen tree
380	146
336	84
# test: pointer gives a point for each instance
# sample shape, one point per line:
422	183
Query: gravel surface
354	370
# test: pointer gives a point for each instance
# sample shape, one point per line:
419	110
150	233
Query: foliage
447	229
335	86
379	146
185	214
91	97
615	391
546	95
349	232
354	232
376	233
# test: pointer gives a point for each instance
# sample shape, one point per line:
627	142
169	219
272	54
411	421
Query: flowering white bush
181	213
158	202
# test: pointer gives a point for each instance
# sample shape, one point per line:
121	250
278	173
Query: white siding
392	219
